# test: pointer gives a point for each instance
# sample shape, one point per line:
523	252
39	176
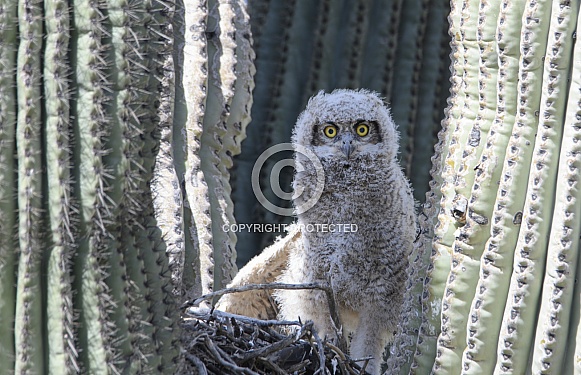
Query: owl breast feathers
352	135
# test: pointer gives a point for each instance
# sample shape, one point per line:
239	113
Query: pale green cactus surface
495	268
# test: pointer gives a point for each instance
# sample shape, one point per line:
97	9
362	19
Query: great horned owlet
356	237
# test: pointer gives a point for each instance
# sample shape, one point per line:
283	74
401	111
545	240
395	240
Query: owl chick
364	261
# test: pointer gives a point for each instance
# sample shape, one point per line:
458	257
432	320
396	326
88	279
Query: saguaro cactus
498	292
96	136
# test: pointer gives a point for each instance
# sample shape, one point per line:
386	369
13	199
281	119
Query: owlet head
345	124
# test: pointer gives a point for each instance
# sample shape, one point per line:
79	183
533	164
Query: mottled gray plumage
365	186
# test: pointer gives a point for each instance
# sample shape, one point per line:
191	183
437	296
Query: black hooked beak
346	145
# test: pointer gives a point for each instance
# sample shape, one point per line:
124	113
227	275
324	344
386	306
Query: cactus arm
552	331
191	278
165	185
478	40
28	324
89	114
521	311
485	317
242	101
221	79
195	76
8	208
62	351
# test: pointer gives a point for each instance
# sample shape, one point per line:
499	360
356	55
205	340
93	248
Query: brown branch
321	353
229	365
333	311
205	315
199	365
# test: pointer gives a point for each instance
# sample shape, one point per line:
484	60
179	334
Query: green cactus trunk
499	294
94	250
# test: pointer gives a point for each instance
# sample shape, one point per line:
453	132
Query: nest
218	343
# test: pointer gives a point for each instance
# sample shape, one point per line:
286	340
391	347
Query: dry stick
321	351
321	286
206	315
198	363
271	365
264	351
224	362
344	360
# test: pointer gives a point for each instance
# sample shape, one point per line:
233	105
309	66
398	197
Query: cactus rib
354	45
521	311
195	85
552	331
128	280
62	357
28	325
380	46
90	127
485	316
165	184
476	117
8	178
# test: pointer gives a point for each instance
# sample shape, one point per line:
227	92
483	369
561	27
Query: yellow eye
362	129
330	131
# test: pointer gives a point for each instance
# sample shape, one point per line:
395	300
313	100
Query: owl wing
266	267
